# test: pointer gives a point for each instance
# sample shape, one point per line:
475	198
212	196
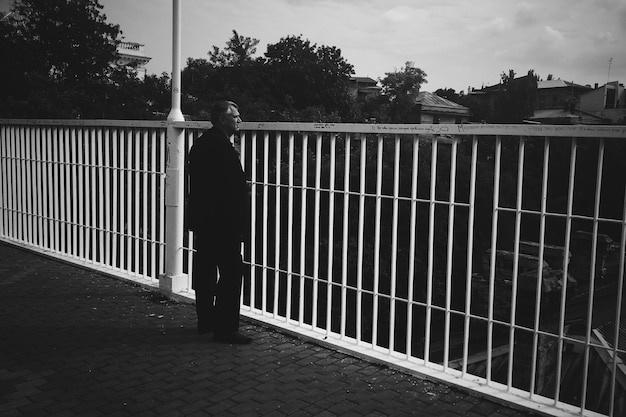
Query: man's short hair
221	107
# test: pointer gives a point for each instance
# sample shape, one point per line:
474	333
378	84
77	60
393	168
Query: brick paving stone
76	343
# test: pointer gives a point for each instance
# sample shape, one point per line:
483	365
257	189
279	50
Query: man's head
225	115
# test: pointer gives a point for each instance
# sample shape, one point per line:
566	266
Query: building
435	109
557	102
607	102
363	88
131	54
558	94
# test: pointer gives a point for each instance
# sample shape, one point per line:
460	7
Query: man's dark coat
218	194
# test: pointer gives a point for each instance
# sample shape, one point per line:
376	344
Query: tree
238	51
61	54
449	94
402	88
518	101
303	75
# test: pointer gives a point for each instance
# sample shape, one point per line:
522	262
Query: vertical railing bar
316	237
4	160
10	181
618	311
449	255
162	161
98	203
123	173
331	230
516	252
128	185
107	197
5	180
36	181
492	264
147	197
344	255
14	181
25	191
136	143
253	216
76	200
84	168
64	185
47	180
538	285
379	185
305	144
394	243
266	142
290	225
117	200
360	249
277	236
568	231
36	186
66	207
56	185
154	270
22	229
594	248
26	179
431	248
96	226
42	216
412	245
3	175
18	195
83	201
470	254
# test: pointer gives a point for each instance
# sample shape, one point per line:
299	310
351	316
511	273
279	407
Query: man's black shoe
232	338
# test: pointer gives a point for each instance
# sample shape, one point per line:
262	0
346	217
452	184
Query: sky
458	43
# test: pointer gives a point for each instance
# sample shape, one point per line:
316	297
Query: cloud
525	15
605	38
398	14
553	36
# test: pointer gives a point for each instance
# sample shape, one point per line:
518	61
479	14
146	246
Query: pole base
173	284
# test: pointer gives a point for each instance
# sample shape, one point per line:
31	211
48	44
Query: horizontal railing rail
488	256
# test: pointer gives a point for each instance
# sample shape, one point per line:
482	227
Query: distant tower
132	54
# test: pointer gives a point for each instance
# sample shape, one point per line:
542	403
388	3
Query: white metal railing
488	256
89	192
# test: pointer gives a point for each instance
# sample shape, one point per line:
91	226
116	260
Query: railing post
173	279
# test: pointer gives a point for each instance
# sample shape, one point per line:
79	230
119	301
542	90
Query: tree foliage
305	75
517	101
295	80
63	56
239	51
402	88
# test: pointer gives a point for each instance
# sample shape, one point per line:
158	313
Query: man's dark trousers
218	275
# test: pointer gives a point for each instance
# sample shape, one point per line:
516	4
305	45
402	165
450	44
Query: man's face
230	121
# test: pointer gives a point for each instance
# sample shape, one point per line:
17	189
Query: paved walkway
77	343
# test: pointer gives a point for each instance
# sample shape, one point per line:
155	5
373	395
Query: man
218	213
